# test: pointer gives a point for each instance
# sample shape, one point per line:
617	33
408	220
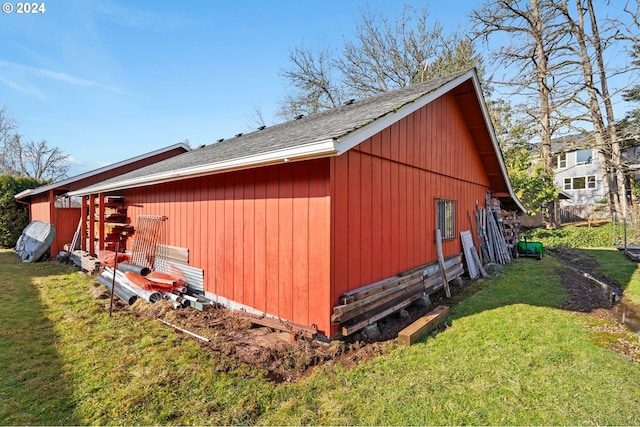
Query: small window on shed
445	218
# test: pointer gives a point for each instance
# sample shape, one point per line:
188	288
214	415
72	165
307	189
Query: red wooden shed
50	203
286	219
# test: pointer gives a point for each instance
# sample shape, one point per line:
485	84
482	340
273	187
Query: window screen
445	218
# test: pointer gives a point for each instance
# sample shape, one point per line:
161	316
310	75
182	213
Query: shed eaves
326	125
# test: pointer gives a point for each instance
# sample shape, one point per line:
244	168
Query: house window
579	183
584	157
561	160
445	218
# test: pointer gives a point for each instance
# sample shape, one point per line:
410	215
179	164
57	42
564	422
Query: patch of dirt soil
276	353
590	299
281	358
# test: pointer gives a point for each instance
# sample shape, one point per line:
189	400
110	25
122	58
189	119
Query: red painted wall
39	208
289	239
385	192
261	236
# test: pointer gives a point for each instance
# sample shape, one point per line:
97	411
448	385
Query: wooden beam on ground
349	329
423	326
404	285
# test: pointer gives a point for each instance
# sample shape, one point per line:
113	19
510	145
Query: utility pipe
149	296
124	294
133	268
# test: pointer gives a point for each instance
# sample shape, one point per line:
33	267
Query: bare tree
532	58
589	52
32	159
317	87
384	55
7	133
40	161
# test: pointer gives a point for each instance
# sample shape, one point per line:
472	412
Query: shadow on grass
33	386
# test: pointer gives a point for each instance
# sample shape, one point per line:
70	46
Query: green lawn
509	357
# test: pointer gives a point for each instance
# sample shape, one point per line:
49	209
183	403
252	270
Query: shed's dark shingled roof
325	125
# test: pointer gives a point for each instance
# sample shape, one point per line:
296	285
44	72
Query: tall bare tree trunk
542	74
616	156
599	130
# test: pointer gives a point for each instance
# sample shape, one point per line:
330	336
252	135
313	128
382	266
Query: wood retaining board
423	326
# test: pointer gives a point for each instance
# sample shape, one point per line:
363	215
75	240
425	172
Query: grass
509	357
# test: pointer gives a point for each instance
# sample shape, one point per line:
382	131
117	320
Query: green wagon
530	249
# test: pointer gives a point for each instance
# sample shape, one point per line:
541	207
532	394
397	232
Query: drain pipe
25	203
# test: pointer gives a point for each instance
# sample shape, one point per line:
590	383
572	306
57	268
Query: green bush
14	216
601	236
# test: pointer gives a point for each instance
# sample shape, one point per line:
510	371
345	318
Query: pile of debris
131	281
146	272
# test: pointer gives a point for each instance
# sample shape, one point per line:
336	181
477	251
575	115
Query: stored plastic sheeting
35	240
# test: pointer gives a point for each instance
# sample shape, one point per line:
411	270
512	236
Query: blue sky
108	80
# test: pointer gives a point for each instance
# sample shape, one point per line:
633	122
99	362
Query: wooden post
113	281
443	270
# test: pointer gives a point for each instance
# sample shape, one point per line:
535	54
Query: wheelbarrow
530	249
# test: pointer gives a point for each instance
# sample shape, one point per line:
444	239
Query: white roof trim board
315	150
44	188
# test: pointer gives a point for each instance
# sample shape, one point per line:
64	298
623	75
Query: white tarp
35	240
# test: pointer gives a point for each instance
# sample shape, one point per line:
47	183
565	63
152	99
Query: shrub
605	235
13	215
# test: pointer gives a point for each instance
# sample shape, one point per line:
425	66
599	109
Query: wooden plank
173	254
283	325
443	269
379	287
349	329
423	326
467	246
342	313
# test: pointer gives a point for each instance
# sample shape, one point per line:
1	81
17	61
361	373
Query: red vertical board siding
267	236
219	274
238	238
229	243
260	240
365	217
403	195
300	245
285	241
386	207
249	241
353	213
392	184
376	217
272	240
289	239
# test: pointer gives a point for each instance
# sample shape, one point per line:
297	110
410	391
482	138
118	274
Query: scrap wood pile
146	276
497	233
365	305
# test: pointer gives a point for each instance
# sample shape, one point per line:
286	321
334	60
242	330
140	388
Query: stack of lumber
363	306
511	227
493	245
